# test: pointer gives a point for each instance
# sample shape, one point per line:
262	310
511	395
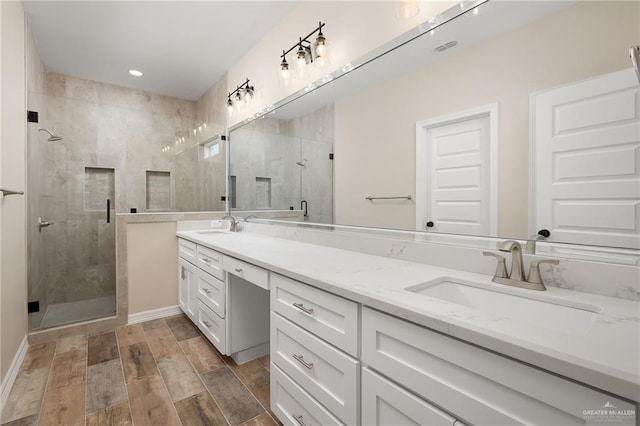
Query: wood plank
102	348
262	420
233	398
117	415
150	403
198	410
257	379
26	395
105	385
130	335
63	406
39	356
266	362
25	421
153	324
138	362
69	368
179	376
201	354
78	341
182	328
162	342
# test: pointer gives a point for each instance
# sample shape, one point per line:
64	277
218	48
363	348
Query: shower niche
158	190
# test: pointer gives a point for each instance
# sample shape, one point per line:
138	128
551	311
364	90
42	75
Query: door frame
422	127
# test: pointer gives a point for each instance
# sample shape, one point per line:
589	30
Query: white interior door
454	177
586	147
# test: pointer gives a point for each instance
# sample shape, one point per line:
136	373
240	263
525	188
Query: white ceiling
182	47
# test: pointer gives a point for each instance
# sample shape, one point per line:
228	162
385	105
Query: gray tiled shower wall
111	136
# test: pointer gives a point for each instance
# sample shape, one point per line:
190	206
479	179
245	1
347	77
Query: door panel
457	188
587	158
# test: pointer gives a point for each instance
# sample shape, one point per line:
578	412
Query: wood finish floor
161	372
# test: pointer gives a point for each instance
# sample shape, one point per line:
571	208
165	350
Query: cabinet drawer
328	316
479	387
212	326
293	405
330	376
187	250
252	273
385	403
210	261
211	291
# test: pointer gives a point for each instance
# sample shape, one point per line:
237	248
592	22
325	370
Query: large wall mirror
507	120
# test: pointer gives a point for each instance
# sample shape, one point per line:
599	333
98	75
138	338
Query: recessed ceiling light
135	73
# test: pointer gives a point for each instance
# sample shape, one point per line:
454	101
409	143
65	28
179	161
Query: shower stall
94	150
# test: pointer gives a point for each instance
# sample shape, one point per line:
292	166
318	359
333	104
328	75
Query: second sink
548	314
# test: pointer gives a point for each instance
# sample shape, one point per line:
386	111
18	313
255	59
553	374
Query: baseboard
154	314
12	373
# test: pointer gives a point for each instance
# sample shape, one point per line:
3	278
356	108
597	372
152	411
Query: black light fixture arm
304	40
241	87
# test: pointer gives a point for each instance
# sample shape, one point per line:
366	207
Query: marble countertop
606	356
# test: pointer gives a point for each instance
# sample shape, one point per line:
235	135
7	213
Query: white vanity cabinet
474	385
309	328
187	296
227	298
202	290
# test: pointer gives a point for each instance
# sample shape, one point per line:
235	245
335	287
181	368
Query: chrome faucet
234	225
516	277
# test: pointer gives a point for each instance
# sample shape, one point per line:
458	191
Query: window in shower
158	190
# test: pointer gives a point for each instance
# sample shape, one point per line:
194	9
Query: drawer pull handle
206	290
207	324
205	260
308	311
298	419
300	359
238	270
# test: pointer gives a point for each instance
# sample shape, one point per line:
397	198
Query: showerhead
52	137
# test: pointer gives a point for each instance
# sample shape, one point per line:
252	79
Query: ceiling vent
447	45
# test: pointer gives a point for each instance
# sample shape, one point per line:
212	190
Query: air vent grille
447	45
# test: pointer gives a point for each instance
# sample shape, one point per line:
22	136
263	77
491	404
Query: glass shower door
72	274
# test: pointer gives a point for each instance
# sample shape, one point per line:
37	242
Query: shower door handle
43	224
108	210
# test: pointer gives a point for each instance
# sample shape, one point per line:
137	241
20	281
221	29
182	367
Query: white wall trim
12	373
490	110
154	314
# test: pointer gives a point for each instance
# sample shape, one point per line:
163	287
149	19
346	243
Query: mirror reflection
507	122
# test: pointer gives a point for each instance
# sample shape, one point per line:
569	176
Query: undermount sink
556	315
212	231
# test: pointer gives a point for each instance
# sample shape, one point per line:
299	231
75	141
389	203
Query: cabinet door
326	373
187	290
385	403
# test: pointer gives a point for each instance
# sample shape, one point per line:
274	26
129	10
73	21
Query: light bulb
229	107
321	45
248	95
407	9
238	100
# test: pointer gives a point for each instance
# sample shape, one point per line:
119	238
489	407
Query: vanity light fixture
135	73
243	95
306	53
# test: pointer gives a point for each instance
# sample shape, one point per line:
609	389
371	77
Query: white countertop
606	357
